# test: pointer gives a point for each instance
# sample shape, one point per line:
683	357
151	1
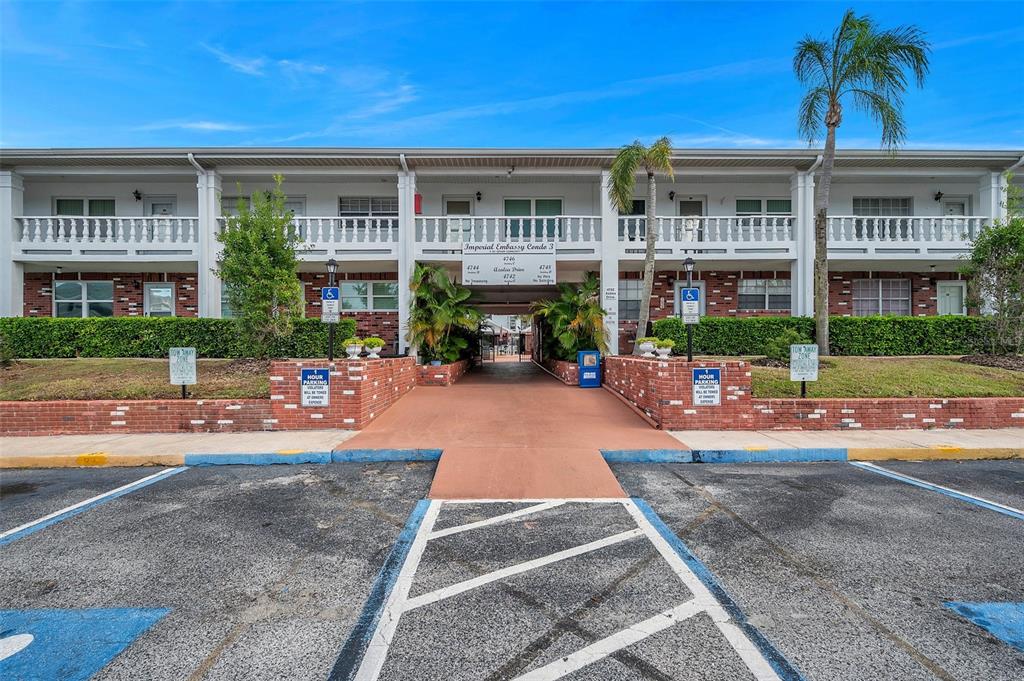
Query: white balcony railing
358	232
568	229
713	229
850	229
38	231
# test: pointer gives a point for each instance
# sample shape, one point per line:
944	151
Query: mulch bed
1011	362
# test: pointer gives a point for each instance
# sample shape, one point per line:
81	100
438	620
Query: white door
952	297
681	284
690	230
161	205
460	225
954	207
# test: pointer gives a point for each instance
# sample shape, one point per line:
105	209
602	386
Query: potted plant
354	347
663	346
373	344
647	344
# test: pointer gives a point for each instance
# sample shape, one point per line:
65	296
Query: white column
991	196
209	188
802	269
12	274
406	251
610	264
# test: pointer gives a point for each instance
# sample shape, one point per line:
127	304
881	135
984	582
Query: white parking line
504	517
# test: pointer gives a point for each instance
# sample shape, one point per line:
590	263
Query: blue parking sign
330	293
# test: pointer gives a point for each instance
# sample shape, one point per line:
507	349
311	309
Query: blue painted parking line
948	491
1005	621
352	653
71	645
752	455
256	458
82	506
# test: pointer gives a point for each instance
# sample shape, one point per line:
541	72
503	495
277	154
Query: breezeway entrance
508	430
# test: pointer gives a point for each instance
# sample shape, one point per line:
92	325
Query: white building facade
132	232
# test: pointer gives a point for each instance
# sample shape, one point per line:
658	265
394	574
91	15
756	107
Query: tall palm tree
868	67
630	160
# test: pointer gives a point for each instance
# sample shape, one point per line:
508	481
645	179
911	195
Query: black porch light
332	266
688	264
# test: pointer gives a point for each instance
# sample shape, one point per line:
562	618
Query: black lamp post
688	266
332	269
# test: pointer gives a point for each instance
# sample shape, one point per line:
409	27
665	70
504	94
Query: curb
198	459
808	455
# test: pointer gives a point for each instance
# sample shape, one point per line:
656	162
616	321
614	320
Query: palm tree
630	160
440	314
868	67
575	318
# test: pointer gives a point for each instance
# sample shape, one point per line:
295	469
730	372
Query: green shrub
778	348
877	336
45	337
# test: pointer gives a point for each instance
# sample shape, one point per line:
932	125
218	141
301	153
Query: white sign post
803	365
508	264
183	368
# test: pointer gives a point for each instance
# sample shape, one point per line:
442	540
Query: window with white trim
871	206
630	294
296	205
752	207
83	207
369	296
158	299
881	296
764	294
373	206
83	299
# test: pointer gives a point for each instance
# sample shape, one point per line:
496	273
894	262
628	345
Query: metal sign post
689	306
803	365
183	368
330	307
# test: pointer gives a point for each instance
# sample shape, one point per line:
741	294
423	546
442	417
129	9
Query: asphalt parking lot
816	571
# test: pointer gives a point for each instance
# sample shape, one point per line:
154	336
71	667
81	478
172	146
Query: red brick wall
567	372
360	391
128	291
381	324
923	295
75	417
662	389
443	375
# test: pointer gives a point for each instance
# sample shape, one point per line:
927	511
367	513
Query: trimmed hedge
871	336
46	337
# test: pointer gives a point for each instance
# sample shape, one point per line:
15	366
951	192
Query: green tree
440	314
575	320
868	67
259	268
630	160
996	270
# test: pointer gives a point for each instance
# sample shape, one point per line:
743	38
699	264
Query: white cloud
299	67
197	126
1014	34
252	66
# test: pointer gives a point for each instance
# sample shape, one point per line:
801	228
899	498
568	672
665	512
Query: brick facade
129	291
360	391
443	375
662	389
78	417
567	372
923	291
381	324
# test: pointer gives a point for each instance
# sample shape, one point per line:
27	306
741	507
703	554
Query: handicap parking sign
689	305
330	297
70	645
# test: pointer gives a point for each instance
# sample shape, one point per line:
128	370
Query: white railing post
406	251
208	248
609	263
12	273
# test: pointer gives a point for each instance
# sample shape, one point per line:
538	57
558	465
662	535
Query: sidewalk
1001	443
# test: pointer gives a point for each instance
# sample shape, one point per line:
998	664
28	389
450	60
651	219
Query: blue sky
475	74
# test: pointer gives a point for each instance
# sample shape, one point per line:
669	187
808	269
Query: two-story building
101	232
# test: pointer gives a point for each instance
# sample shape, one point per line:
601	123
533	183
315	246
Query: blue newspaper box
589	362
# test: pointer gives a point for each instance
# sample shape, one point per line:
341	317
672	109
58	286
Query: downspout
405	166
1018	164
192	159
817	163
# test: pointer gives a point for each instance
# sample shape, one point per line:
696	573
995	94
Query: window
358	296
873	206
881	296
159	299
764	294
374	206
533	208
630	293
296	205
77	207
83	299
747	207
225	307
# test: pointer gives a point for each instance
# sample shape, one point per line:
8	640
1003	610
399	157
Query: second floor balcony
97	237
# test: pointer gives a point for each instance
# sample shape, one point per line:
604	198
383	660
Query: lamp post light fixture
688	266
332	269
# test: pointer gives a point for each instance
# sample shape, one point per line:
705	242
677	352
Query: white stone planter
373	353
663	352
354	351
647	349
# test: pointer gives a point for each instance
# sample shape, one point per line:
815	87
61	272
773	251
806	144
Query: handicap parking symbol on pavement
68	644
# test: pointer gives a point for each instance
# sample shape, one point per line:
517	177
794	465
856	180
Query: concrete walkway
511	431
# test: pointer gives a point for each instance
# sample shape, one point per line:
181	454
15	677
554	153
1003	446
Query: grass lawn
893	377
128	379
